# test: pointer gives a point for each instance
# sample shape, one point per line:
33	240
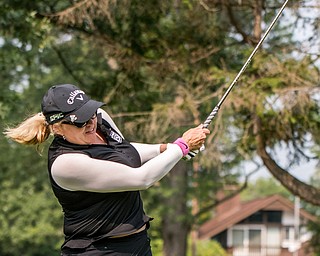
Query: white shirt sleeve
146	151
108	118
76	171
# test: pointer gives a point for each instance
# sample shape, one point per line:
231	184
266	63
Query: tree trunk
306	192
257	13
175	227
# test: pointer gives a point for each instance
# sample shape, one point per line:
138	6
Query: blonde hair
32	131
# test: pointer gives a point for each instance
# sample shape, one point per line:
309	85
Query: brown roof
241	211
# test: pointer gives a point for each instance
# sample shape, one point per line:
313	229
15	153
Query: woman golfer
96	174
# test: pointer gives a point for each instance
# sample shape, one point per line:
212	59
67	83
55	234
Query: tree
315	226
263	187
161	67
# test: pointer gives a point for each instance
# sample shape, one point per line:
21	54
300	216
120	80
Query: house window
274	216
238	237
257	217
246	237
263	217
254	237
255	240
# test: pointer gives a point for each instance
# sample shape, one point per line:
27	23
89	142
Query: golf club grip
211	116
190	155
213	113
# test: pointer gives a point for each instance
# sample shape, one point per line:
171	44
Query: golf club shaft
225	95
217	107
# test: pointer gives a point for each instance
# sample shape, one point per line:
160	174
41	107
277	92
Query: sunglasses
80	125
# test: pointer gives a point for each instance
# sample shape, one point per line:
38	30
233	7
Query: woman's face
82	136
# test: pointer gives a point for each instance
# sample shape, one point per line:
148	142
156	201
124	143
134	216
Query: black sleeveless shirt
91	216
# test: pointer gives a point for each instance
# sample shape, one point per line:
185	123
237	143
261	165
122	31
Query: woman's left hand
195	137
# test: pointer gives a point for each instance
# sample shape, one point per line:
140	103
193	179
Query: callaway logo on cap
68	102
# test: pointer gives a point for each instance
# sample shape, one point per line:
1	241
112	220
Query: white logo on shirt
115	136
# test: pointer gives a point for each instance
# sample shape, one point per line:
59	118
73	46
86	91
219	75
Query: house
267	226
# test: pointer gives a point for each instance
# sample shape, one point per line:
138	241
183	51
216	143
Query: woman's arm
148	151
80	172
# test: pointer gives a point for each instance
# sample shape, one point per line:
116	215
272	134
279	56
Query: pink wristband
183	145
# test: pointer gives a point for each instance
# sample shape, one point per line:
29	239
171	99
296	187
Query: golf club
215	110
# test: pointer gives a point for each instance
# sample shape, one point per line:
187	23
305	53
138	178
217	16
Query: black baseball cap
68	102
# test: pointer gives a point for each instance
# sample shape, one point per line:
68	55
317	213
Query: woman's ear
56	129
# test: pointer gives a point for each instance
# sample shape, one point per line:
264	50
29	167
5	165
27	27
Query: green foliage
314	227
208	248
29	220
263	187
30	217
315	240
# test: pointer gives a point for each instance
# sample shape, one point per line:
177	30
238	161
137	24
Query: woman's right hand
195	137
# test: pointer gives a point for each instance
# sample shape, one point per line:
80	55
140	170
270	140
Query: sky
303	31
303	172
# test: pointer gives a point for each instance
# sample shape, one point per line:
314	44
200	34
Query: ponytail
33	131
